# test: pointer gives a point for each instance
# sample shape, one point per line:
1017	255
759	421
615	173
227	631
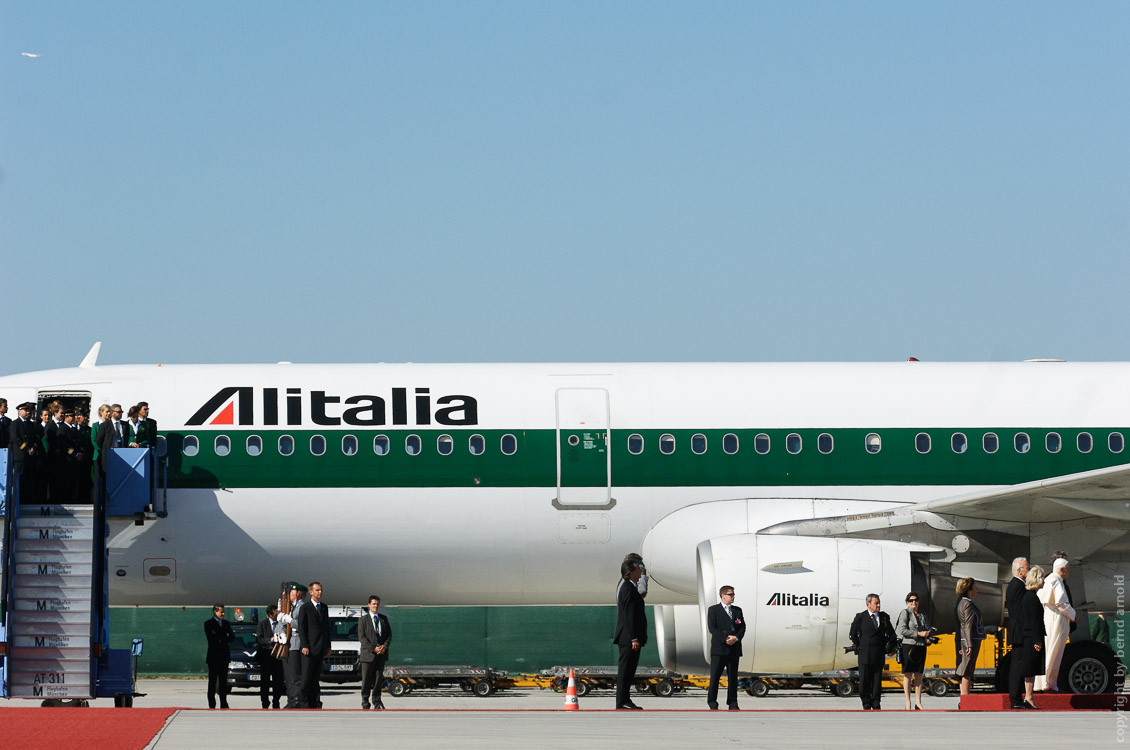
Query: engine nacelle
800	594
678	634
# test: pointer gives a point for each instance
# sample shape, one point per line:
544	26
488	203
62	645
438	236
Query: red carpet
1048	702
86	728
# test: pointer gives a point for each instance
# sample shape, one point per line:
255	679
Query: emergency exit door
584	462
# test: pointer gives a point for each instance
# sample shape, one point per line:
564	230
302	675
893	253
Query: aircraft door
584	462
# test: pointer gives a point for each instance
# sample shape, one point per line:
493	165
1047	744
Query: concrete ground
523	718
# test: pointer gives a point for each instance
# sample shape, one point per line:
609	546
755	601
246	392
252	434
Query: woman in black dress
913	631
1030	654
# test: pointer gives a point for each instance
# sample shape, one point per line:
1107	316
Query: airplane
804	485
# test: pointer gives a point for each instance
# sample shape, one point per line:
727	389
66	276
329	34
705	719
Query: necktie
728	612
377	624
876	617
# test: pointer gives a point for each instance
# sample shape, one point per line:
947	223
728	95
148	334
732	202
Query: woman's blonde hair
1035	578
103	409
963	586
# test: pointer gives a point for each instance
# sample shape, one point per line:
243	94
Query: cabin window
1053	442
477	445
873	442
444	444
1084	442
1022	442
191	445
380	445
824	443
698	444
635	443
793	443
730	443
286	445
761	443
958	442
509	444
667	444
254	445
922	442
222	445
317	445
412	445
990	442
1115	442
162	446
349	445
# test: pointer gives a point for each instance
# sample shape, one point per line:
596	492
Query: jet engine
798	595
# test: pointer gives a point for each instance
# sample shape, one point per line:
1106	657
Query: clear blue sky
527	181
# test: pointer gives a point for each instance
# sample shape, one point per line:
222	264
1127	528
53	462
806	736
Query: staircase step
47	568
56	547
45	534
23	662
70	593
47	579
55	522
50	691
41	617
77	629
51	605
45	511
64	644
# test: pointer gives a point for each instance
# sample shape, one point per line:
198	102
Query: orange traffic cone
571	694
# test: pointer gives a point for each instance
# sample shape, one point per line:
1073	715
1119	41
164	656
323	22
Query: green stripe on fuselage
534	464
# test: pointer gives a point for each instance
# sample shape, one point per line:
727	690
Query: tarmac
525	718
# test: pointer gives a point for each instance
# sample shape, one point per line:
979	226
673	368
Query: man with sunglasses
727	628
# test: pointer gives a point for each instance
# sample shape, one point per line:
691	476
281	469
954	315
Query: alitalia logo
781	599
239	405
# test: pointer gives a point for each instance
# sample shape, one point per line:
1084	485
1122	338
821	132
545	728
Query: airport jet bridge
54	610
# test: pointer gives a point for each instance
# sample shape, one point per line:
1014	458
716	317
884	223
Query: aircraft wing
1101	493
1097	501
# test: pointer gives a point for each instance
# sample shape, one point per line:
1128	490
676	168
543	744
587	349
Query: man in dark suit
314	635
375	634
270	667
84	451
631	631
872	635
58	442
23	441
5	423
727	628
220	637
1013	598
112	434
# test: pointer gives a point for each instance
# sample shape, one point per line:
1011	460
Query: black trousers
626	674
217	684
295	690
270	680
311	679
1016	676
871	684
371	674
718	662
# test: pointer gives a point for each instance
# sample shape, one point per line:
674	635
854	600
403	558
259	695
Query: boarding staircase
54	605
52	620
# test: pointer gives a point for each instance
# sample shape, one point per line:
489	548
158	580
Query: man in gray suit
375	634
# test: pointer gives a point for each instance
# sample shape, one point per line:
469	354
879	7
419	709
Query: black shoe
734	707
629	706
1031	706
712	706
364	706
379	707
1016	706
